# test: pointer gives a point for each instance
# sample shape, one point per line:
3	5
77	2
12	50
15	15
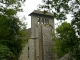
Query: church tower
40	43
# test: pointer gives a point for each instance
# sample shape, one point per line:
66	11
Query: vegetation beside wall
66	41
12	30
68	35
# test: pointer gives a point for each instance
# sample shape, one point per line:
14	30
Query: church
40	44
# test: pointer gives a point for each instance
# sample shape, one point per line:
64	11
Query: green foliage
5	52
76	22
11	43
66	40
62	7
10	12
68	36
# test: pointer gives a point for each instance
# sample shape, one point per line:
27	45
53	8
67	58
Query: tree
60	8
76	23
5	52
10	28
66	41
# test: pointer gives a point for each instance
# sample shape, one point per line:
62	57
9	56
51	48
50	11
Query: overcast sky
31	5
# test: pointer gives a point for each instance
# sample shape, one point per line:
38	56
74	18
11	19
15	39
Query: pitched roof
41	13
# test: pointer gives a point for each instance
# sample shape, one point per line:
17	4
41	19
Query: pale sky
31	5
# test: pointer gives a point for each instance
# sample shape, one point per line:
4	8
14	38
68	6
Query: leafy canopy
68	35
10	29
66	41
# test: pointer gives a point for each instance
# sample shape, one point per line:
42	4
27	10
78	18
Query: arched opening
39	20
42	20
46	21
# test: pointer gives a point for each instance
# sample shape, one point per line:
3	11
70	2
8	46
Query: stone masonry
40	43
47	42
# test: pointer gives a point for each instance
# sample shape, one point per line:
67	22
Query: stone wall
47	42
32	50
24	54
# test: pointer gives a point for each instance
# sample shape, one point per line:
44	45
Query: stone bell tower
40	43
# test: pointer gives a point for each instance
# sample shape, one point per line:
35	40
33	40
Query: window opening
42	20
47	21
28	52
39	20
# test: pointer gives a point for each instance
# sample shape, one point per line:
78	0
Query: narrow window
43	20
47	21
39	20
28	52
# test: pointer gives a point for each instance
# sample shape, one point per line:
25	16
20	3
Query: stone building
40	43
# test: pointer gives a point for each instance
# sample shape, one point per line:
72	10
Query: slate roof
41	13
